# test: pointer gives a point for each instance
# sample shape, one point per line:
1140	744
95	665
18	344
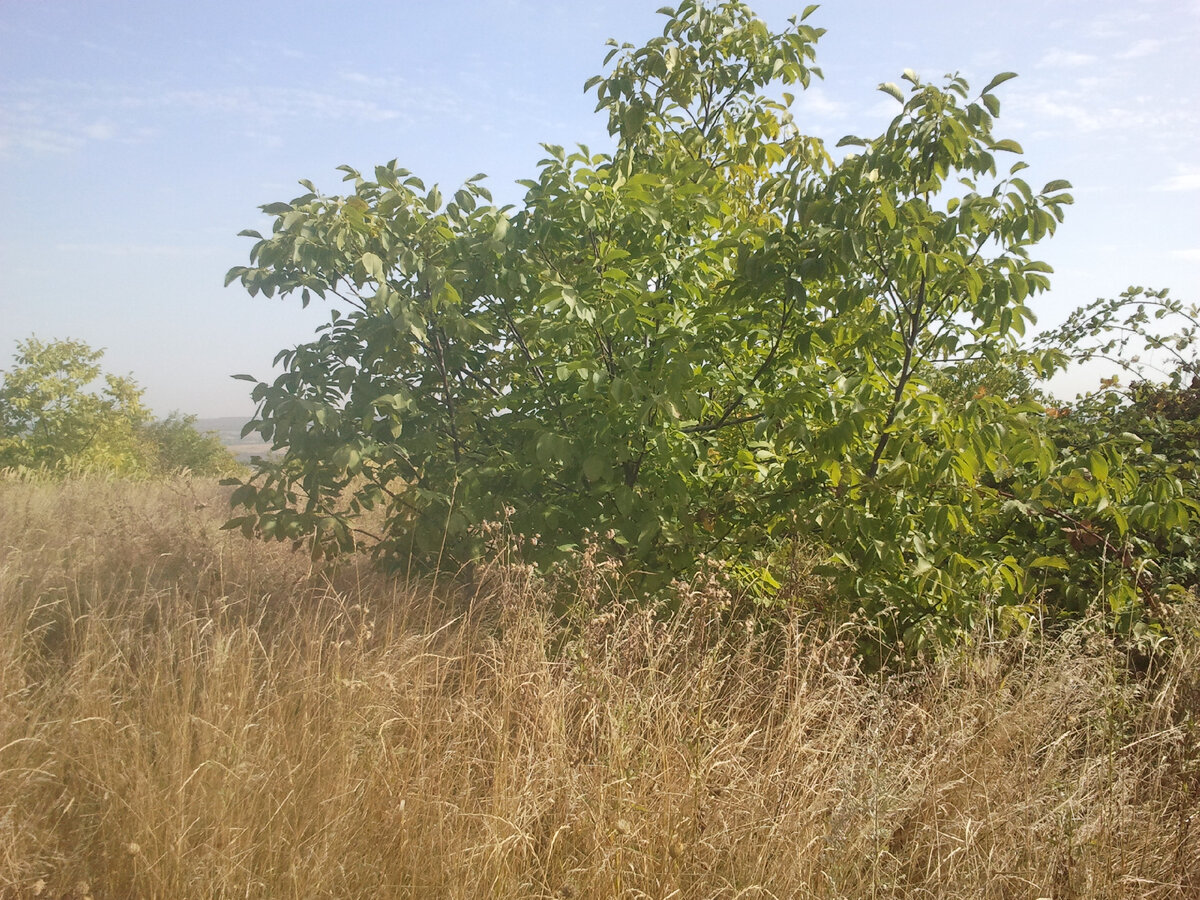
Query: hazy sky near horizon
138	137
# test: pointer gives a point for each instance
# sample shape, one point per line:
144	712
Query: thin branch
723	422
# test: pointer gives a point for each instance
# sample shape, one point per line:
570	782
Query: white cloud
1192	254
1056	109
100	130
1115	25
135	249
1144	47
266	104
1095	109
364	79
1058	58
52	116
815	103
1188	179
106	49
275	49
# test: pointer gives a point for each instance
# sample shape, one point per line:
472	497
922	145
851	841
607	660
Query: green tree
714	340
51	414
59	409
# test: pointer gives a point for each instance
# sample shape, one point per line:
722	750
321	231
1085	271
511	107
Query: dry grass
185	714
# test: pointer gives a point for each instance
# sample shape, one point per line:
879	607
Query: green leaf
1049	562
997	81
594	467
373	266
892	90
888	210
465	200
1058	185
1007	145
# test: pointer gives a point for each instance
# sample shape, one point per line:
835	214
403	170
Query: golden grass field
186	714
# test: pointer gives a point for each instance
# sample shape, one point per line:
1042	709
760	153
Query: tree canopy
716	340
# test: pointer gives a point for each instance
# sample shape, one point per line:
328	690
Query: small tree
50	414
58	409
714	340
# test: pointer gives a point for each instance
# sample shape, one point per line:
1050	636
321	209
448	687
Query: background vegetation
60	411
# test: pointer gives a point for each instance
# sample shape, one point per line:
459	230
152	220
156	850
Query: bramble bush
174	443
717	341
1149	337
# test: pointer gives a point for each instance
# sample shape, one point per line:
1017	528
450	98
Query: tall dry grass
187	714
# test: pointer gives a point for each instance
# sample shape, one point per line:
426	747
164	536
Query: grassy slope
185	714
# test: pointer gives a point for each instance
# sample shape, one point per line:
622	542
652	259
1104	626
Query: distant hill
229	428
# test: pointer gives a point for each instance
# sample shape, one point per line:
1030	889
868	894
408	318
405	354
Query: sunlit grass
184	713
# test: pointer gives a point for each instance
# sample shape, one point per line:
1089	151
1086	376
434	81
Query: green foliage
1145	333
716	340
1160	423
1168	416
1008	377
1142	332
59	410
51	415
173	444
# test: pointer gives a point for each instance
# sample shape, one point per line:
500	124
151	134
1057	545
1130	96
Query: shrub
715	341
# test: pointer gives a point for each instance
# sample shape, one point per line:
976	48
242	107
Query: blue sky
138	137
